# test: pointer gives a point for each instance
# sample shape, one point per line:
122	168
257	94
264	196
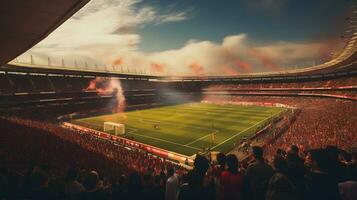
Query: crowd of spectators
40	160
319	84
348	94
321	122
338	88
322	173
28	146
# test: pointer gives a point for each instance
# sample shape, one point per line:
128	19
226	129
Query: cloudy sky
198	36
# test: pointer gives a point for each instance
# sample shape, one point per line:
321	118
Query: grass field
187	128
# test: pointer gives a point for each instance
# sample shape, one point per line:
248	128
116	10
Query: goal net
119	129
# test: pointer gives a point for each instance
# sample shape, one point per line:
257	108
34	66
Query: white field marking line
178	125
163	122
96	125
244	131
165	141
208	109
135	130
224	109
214	113
132	130
148	121
143	121
200	138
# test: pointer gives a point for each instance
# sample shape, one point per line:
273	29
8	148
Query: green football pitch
188	128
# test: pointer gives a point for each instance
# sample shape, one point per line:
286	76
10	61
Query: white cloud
101	30
174	17
105	32
286	52
233	55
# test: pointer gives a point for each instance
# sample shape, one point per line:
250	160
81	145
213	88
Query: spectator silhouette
258	175
195	189
319	183
231	180
280	187
172	185
217	171
72	187
93	188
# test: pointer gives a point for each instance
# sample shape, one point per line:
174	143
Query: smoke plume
243	66
156	67
265	60
109	87
229	70
118	62
197	69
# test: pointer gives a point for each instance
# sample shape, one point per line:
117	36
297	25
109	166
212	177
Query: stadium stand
55	163
321	122
47	152
307	154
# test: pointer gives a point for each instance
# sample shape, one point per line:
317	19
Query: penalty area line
164	122
145	136
148	121
133	130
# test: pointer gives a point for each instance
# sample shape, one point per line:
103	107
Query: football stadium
199	127
176	100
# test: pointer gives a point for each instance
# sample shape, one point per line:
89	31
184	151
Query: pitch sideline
245	130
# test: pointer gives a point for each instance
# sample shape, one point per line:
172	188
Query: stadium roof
24	23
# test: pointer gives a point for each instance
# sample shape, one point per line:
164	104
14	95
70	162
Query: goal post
119	129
